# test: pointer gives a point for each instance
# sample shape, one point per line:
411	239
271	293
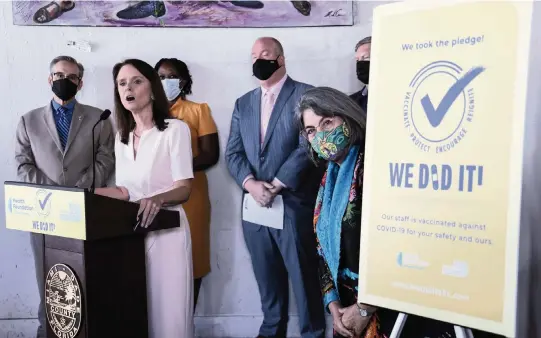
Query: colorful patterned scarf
333	200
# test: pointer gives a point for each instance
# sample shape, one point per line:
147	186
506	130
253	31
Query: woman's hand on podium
148	209
125	193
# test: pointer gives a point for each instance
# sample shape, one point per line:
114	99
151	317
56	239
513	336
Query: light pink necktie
268	105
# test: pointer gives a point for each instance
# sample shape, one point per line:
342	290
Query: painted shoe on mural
52	11
304	7
248	4
143	9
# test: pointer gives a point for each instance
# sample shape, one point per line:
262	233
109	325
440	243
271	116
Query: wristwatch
365	312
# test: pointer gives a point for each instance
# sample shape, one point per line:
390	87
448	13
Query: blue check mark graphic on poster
436	115
44	202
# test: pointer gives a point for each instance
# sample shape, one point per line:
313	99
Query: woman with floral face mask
177	83
334	127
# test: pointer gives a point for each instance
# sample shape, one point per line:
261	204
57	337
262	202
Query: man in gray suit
265	157
54	147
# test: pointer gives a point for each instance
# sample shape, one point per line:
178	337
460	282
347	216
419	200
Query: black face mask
64	89
363	71
263	69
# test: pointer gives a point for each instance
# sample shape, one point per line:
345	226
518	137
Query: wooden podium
94	261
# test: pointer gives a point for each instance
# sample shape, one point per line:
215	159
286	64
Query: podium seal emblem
63	301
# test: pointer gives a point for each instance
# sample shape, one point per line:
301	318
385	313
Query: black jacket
362	100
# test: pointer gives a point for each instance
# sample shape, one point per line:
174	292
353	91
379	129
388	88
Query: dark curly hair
183	73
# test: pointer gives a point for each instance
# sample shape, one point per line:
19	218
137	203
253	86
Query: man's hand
273	195
260	191
276	187
353	321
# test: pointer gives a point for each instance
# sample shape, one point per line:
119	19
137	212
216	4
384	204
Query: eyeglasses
325	124
72	77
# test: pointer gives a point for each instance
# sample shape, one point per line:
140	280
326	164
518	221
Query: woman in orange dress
177	83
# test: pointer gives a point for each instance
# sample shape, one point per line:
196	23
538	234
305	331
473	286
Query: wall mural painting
184	13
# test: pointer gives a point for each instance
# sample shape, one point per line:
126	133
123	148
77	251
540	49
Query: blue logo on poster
439	105
411	261
43	202
73	213
19	206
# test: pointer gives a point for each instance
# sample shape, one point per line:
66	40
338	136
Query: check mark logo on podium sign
436	115
43	203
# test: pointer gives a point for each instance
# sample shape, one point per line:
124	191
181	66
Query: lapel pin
80	117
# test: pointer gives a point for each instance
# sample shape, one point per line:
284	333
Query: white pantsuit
163	157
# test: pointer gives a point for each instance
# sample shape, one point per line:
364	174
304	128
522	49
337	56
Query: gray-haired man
362	55
54	147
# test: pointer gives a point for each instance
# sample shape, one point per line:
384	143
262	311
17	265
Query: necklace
140	132
138	136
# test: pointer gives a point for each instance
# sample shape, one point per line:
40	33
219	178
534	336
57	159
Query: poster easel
460	332
438	235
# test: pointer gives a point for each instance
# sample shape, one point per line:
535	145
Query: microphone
104	116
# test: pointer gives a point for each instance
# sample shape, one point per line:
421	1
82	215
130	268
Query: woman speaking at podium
154	168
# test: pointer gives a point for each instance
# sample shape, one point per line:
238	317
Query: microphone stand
104	116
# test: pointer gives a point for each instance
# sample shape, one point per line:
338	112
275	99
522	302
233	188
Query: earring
346	129
152	97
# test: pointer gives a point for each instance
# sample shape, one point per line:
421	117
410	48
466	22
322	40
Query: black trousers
196	288
38	251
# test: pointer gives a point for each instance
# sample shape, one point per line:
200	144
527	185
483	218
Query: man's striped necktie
63	125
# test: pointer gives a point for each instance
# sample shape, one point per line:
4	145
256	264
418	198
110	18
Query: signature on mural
334	13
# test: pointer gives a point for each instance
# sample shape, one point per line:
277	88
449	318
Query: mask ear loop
278	63
182	84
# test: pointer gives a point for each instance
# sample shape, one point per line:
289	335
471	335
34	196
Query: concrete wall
229	305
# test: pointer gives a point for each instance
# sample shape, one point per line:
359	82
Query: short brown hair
70	60
364	41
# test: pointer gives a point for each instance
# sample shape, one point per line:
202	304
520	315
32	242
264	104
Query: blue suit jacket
282	154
